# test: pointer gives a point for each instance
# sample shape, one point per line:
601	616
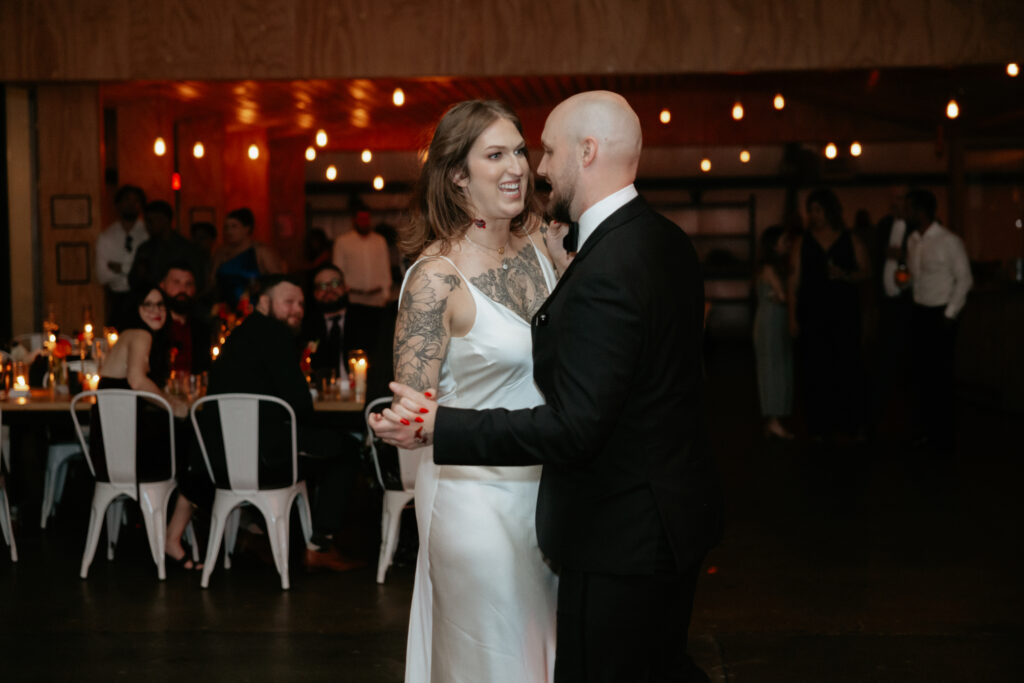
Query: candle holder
358	364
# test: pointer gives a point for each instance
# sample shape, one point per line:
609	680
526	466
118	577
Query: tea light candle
19	384
92	381
111	339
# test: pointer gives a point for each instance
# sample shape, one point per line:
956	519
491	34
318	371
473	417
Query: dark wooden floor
841	564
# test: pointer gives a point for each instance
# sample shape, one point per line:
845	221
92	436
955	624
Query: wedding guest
827	262
317	249
240	260
188	330
139	361
164	246
115	248
204	236
362	255
772	343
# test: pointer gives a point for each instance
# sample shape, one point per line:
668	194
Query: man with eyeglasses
333	326
116	246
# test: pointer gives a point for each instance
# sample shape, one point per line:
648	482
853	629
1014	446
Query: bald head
592	147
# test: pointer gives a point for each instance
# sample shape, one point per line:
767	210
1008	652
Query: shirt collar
597	213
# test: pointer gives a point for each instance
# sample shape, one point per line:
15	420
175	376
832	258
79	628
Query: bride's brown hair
439	210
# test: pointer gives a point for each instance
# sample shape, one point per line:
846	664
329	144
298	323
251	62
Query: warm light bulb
779	102
366	156
321	138
310	153
332	172
159	147
254	152
855	149
398	97
198	150
665	116
378	182
745	156
705	164
214	352
737	111
1012	69
88	328
952	109
831	151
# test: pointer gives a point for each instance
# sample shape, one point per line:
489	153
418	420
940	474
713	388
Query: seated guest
139	361
259	358
164	247
334	327
188	330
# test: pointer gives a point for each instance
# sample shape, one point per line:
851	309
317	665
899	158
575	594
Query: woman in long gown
484	600
772	344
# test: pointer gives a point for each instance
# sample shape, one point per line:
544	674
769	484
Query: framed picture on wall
70	210
202	214
73	263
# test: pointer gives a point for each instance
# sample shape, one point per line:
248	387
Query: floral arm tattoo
421	334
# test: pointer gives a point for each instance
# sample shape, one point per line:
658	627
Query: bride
483	606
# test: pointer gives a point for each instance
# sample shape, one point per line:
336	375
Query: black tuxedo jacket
361	331
617	355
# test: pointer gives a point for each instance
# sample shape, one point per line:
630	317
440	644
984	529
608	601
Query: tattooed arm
424	324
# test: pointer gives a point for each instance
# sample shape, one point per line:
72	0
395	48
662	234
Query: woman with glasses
140	360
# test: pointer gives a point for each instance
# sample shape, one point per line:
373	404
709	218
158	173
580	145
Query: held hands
409	422
554	233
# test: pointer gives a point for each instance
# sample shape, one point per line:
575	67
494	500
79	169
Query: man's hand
553	234
409	422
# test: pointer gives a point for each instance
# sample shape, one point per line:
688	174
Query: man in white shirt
116	247
362	255
940	277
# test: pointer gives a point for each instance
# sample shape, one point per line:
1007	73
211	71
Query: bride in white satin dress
483	607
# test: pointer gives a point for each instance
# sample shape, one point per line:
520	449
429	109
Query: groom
629	501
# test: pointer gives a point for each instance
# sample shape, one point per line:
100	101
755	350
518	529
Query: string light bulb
198	150
737	111
378	182
952	109
1012	69
310	153
831	151
665	116
332	172
366	156
705	164
398	97
855	149
159	147
254	152
779	102
321	138
745	156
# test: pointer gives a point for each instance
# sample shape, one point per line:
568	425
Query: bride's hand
409	422
554	232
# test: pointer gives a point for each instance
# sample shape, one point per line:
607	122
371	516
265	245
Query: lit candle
19	384
214	352
92	381
360	377
111	339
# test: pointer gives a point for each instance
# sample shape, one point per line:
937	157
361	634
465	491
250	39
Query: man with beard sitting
334	327
189	331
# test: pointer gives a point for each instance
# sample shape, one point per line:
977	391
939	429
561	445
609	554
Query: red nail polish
428	394
404	421
419	419
424	411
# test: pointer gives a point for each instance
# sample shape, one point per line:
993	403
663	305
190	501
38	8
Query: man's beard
129	216
180	304
559	208
332	306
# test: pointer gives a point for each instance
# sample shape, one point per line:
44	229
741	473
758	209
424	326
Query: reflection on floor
841	563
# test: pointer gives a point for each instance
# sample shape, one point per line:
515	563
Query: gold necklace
500	251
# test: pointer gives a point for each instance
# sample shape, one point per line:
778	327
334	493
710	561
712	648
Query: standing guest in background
239	261
204	236
165	246
115	249
362	255
333	327
139	361
189	332
940	276
772	344
317	249
390	235
259	358
827	263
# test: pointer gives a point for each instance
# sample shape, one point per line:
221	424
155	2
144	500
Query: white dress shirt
365	262
939	269
899	228
110	249
597	213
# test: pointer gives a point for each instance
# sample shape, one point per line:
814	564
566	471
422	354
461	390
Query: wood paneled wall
68	124
180	39
244	181
288	199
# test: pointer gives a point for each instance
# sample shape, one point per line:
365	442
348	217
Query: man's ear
263	304
588	151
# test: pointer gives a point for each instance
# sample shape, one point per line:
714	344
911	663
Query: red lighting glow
175	181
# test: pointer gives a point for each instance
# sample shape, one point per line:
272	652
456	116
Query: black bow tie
571	240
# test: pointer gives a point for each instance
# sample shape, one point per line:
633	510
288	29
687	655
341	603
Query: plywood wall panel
245	179
138	126
287	196
202	180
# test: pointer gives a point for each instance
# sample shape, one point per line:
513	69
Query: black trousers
613	629
934	345
329	462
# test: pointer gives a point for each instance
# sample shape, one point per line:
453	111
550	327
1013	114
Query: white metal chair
5	510
117	416
231	450
394	500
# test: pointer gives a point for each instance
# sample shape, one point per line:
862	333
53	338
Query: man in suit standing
629	502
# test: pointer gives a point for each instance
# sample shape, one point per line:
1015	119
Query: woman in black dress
828	261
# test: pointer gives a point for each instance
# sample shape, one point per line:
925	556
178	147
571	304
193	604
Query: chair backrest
408	461
5	454
115	439
231	436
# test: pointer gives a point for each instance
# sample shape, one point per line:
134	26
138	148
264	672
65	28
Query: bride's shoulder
431	267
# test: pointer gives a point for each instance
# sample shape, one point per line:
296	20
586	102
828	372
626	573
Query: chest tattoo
520	288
